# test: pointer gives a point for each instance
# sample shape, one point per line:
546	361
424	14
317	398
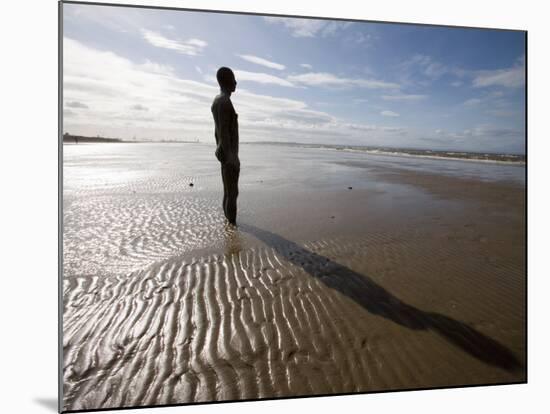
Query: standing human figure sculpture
227	141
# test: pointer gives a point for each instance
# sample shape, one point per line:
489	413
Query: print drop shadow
48	403
375	299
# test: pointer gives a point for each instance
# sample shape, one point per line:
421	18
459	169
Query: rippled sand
407	280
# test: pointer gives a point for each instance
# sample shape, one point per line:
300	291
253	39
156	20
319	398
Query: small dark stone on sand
349	188
191	184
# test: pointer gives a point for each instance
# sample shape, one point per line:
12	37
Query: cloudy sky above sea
150	74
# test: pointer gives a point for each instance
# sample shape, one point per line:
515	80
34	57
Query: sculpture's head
226	79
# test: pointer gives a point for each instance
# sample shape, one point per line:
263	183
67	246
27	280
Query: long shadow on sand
379	301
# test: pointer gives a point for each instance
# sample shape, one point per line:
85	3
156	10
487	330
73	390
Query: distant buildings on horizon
75	139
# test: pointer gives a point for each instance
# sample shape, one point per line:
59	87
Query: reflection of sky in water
115	166
126	205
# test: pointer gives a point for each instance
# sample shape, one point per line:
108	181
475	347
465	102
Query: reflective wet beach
411	278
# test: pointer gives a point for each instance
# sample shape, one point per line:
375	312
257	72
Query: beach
347	272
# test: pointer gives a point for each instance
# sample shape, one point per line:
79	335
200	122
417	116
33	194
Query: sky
149	74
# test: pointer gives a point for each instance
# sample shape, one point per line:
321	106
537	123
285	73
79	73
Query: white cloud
472	102
495	103
131	20
197	42
263	62
157	68
306	65
118	91
138	107
331	28
478	137
422	70
389	113
330	80
191	47
504	113
513	77
364	38
426	66
67	113
431	69
484	132
112	86
403	97
309	27
259	77
76	104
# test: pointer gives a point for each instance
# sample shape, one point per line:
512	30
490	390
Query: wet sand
410	279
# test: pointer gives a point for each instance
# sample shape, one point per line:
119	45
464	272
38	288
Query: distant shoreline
77	139
518	159
504	158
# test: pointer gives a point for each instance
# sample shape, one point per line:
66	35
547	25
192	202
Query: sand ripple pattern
278	320
119	234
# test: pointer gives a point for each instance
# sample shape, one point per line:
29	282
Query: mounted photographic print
258	206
